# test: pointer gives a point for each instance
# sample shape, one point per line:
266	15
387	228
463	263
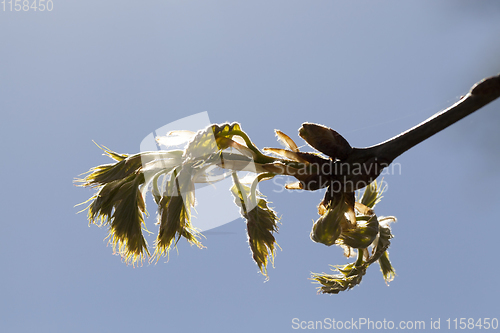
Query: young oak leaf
262	222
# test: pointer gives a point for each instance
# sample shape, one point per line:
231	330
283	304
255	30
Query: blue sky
113	72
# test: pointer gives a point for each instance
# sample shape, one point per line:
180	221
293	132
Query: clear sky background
114	71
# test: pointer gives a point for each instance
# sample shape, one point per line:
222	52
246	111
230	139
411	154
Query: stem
261	158
240	192
359	259
481	94
253	189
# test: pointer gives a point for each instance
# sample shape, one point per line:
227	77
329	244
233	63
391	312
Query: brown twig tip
488	86
482	93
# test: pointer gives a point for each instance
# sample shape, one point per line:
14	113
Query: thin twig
482	93
363	165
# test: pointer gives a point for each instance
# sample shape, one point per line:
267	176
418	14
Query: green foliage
327	229
369	231
119	204
350	276
362	236
261	220
174	217
171	176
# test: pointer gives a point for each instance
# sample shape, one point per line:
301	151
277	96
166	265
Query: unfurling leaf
125	233
383	240
120	205
327	228
372	194
350	276
386	267
368	230
262	222
104	174
174	215
362	236
345	200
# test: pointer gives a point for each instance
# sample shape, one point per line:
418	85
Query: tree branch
482	93
372	160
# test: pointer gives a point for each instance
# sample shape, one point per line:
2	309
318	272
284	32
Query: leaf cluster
171	175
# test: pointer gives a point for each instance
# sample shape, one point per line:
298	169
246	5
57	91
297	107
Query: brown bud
325	140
